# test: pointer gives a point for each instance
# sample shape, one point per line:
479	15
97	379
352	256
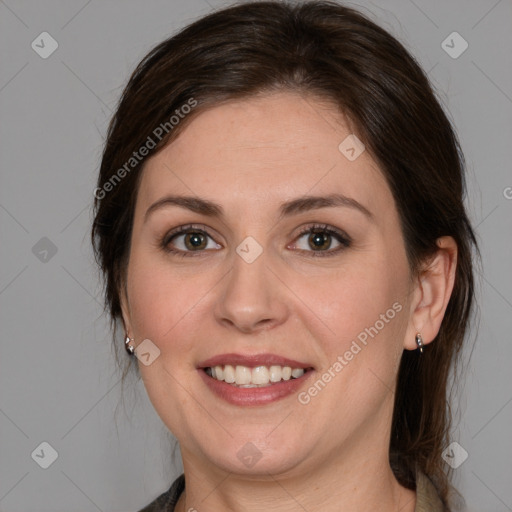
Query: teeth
245	377
242	375
297	372
218	372
229	374
275	373
260	375
286	373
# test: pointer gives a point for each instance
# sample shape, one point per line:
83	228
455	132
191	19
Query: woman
281	228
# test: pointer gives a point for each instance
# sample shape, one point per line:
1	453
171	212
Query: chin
258	458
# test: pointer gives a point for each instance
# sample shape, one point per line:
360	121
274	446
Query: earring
129	348
419	342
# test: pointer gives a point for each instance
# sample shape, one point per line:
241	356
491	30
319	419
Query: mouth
256	377
247	380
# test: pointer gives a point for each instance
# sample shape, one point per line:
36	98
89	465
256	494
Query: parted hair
338	54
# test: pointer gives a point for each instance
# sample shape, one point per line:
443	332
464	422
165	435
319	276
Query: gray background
58	380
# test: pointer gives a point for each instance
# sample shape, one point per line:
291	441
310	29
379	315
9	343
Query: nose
252	298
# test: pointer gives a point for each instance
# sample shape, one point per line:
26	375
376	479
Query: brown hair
338	54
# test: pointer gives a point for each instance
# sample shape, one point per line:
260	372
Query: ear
431	294
125	311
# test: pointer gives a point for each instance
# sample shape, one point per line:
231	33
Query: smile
257	377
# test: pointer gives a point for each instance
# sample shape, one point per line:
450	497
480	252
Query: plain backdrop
58	379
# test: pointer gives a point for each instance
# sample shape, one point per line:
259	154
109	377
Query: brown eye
195	241
319	240
188	239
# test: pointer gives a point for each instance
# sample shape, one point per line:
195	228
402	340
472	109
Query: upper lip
252	361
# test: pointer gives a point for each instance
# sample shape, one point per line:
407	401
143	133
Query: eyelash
340	236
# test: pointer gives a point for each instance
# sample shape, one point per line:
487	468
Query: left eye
320	239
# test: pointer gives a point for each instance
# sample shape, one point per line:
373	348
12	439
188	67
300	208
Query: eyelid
184	230
342	237
324	228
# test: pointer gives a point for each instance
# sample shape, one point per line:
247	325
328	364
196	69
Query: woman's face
255	282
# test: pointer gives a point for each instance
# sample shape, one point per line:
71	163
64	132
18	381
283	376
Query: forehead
265	149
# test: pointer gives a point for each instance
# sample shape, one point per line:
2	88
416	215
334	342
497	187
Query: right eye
188	239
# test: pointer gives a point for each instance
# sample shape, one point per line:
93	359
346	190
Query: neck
330	486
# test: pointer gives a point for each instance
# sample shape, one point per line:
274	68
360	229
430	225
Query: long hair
338	54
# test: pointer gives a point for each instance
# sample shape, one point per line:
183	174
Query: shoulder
427	497
167	501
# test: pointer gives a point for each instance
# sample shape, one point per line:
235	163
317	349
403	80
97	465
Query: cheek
159	298
360	298
170	305
336	306
164	307
363	312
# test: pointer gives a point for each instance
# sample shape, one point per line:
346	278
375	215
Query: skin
249	157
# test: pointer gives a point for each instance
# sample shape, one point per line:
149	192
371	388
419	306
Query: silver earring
419	342
129	348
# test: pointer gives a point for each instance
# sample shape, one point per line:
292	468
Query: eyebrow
292	207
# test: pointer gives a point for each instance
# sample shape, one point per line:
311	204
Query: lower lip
254	396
